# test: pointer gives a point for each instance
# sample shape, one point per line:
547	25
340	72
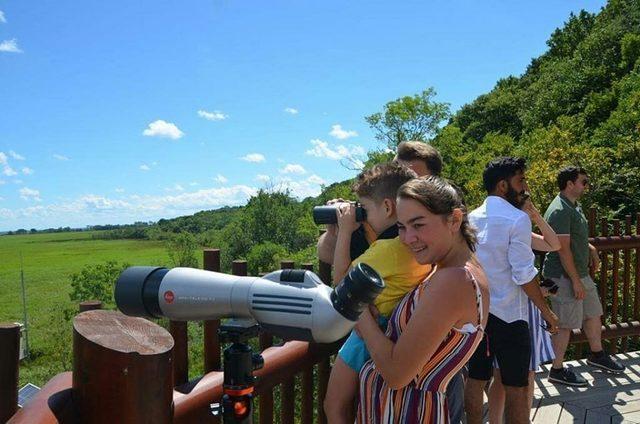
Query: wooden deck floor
608	398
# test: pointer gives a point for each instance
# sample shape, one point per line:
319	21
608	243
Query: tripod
239	363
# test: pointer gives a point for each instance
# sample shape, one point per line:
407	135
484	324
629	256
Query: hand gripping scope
292	303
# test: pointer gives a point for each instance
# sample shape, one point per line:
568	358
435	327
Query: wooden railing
618	281
306	366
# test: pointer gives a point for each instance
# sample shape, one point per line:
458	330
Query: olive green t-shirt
565	217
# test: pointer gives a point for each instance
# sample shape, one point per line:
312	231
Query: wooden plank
548	413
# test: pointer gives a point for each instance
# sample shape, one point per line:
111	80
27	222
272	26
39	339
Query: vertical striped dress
423	400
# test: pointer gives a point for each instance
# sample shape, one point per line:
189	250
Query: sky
122	111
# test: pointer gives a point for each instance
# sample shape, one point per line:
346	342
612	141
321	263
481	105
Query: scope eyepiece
327	214
356	291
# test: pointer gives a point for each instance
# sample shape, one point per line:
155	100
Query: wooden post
9	366
89	305
307	383
636	285
615	264
287	388
211	342
121	369
626	285
180	353
324	367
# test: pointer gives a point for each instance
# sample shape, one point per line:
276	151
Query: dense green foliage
579	103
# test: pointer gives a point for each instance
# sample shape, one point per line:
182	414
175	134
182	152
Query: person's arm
566	259
327	242
533	292
447	299
523	272
594	258
346	226
548	241
326	246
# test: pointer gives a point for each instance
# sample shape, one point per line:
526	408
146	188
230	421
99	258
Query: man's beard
517	199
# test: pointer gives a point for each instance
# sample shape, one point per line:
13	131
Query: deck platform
608	398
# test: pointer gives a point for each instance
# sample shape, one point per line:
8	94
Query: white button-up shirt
504	250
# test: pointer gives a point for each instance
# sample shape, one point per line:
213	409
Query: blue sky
114	112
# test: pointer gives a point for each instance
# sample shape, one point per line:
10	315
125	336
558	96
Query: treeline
578	103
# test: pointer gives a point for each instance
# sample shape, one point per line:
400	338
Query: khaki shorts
570	311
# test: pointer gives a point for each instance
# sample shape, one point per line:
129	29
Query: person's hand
332	229
530	209
365	321
552	321
594	259
578	289
347	217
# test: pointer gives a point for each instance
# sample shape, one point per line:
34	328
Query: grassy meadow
49	261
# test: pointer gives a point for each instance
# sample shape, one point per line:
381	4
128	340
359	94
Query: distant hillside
578	103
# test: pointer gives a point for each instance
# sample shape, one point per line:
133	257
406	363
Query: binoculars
329	214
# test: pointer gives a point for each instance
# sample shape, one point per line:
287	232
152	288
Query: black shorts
510	344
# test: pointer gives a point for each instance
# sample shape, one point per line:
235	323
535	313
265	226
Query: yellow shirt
397	266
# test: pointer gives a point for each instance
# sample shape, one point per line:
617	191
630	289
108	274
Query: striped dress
541	347
423	400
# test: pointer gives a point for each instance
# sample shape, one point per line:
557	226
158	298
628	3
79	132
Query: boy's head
423	158
376	189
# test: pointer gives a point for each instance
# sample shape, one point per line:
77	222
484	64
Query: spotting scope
292	304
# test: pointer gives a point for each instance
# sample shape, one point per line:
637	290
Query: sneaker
605	362
566	376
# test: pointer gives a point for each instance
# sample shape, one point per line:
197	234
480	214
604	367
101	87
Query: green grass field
49	261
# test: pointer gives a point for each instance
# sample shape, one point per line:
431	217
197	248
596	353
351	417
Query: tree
182	250
407	118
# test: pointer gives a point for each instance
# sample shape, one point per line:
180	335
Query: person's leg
496	399
531	388
480	368
341	391
513	354
592	328
560	342
516	406
474	399
455	398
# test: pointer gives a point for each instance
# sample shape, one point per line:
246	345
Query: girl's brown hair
440	198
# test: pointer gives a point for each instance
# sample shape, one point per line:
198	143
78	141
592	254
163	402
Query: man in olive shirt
576	304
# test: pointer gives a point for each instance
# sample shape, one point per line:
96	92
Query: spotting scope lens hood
136	291
356	291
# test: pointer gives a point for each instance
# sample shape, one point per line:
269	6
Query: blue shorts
354	351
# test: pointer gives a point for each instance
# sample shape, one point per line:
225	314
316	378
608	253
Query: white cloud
15	155
321	149
2	18
293	168
161	128
339	133
262	178
314	179
220	179
175	187
119	190
9	171
1	199
291	110
2	182
144	167
60	157
3	158
193	183
253	157
216	115
30	194
10	46
27	171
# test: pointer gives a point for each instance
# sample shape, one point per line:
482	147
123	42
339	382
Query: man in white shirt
504	251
